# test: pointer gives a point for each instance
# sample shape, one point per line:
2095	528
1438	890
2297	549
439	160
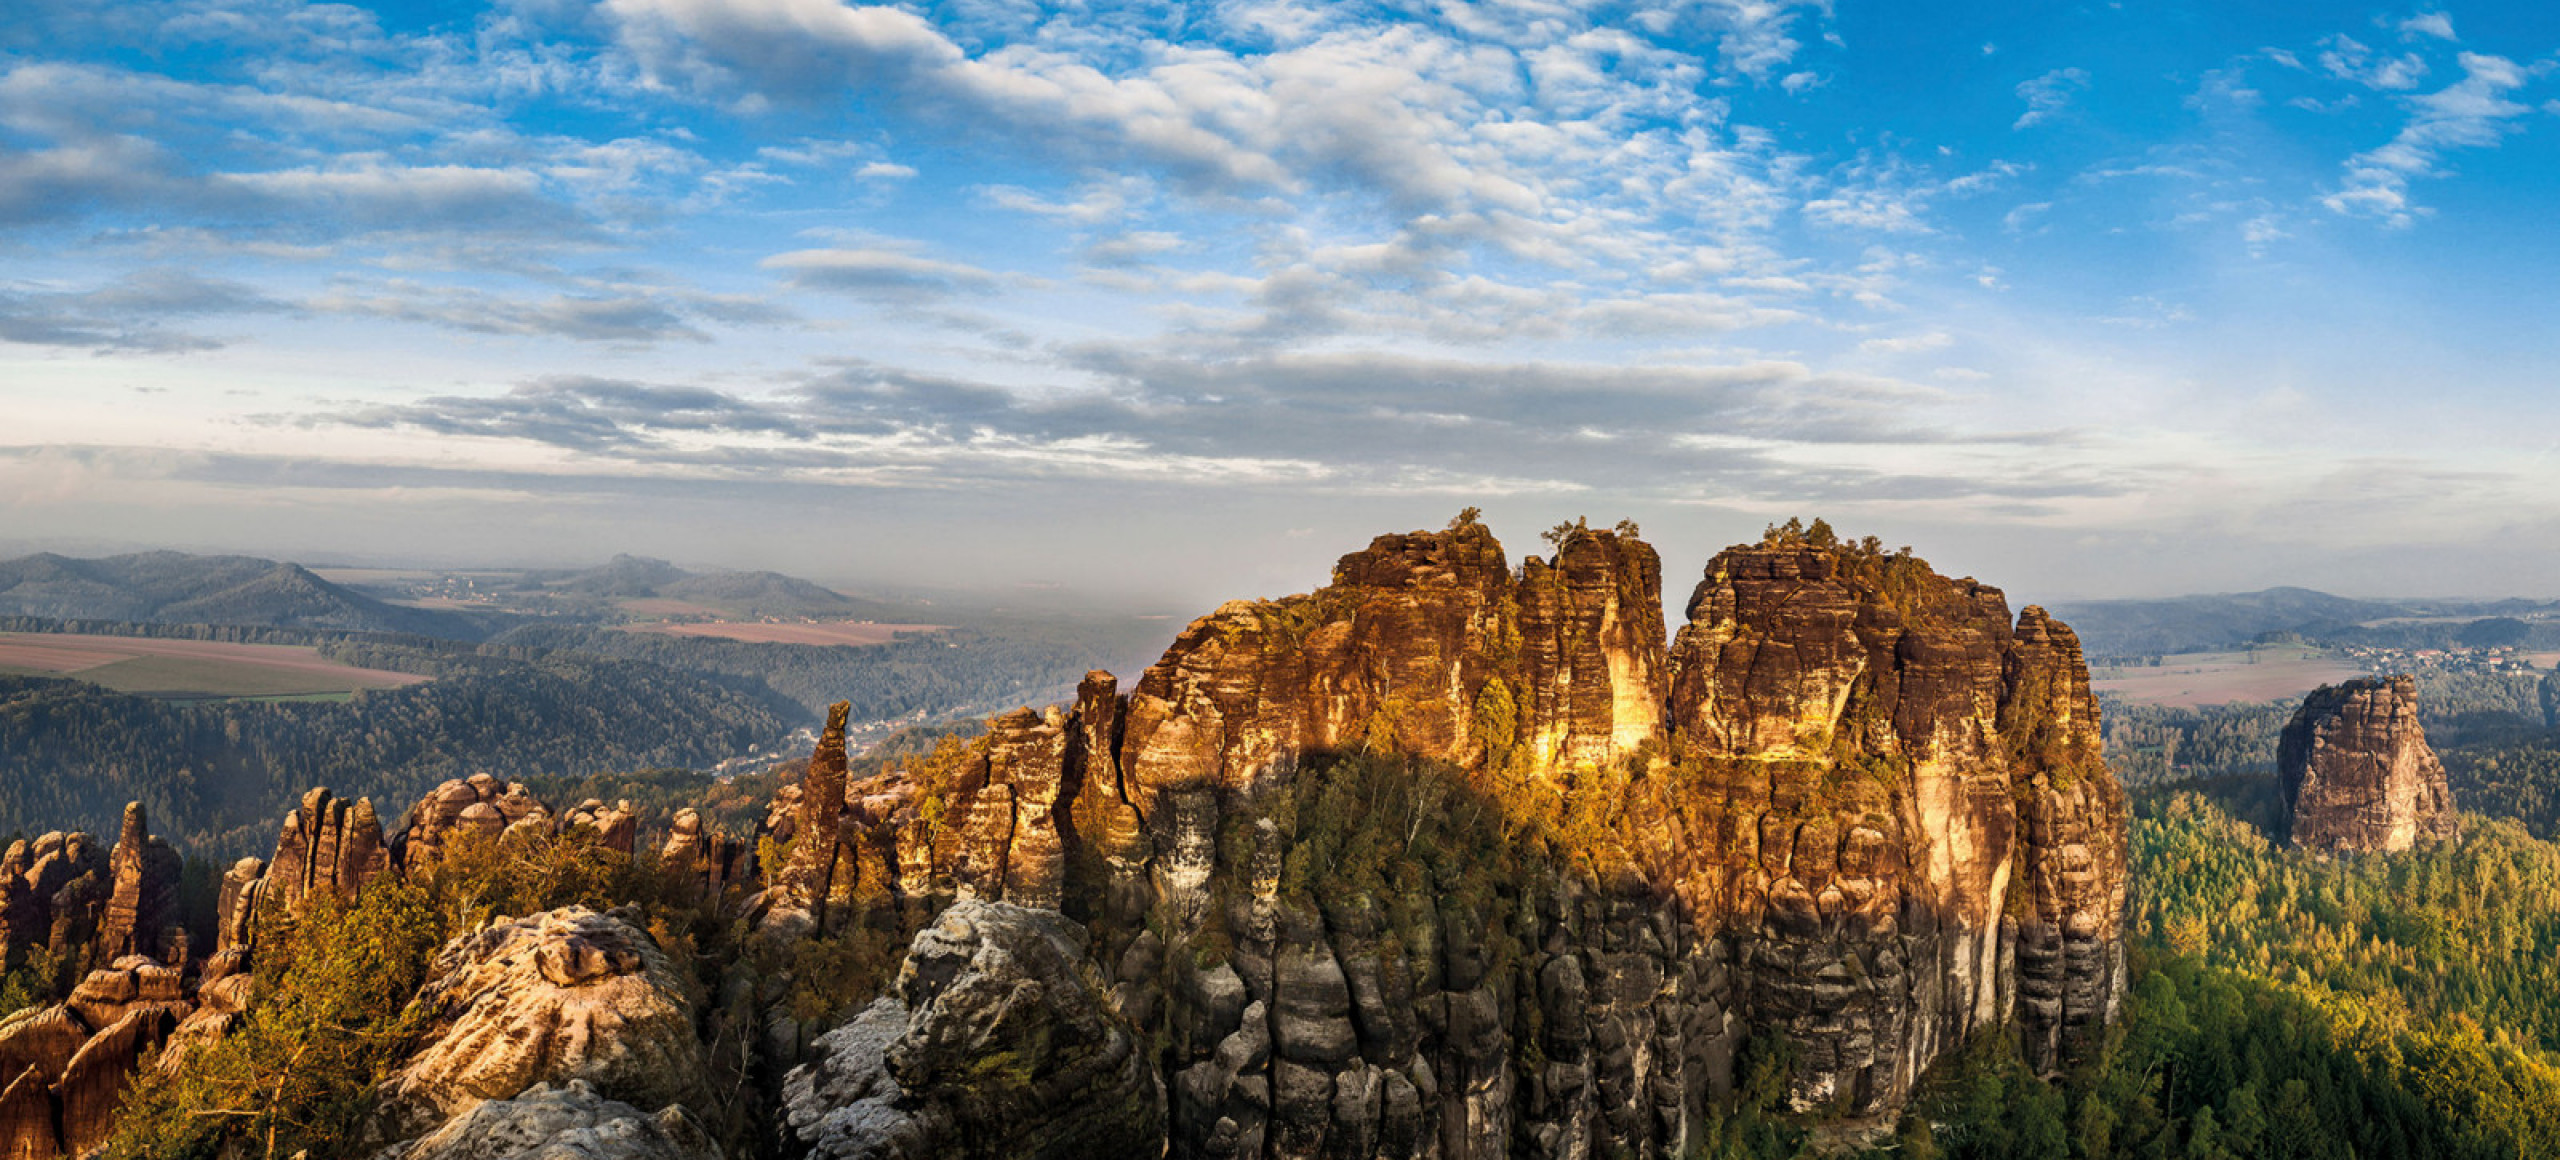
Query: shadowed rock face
568	1122
1000	1041
64	1069
1855	805
2358	773
51	893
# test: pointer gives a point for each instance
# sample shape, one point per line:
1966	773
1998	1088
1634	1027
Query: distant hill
774	594
739	593
2202	623
625	576
179	588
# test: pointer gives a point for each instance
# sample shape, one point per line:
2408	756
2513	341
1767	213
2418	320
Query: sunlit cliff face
1864	813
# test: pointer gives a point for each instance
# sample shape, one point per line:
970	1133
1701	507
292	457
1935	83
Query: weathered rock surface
2358	773
327	845
568	1122
1000	1041
810	880
616	826
476	803
710	857
51	893
64	1069
564	995
143	893
1856	805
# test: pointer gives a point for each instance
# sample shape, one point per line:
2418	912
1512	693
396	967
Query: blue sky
1183	299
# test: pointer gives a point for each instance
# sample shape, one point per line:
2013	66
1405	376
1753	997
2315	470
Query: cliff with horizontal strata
1455	858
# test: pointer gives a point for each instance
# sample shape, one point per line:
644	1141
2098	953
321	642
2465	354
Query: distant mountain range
178	588
2199	623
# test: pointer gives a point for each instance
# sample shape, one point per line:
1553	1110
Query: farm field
815	632
188	668
2189	680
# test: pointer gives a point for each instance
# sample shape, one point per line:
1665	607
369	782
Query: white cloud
2472	113
1908	343
2347	59
2435	24
2048	95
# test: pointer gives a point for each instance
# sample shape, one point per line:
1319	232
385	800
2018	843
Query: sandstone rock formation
51	891
64	1068
478	802
564	995
616	827
569	1122
710	858
1855	806
143	892
327	845
1000	1042
1449	858
2358	773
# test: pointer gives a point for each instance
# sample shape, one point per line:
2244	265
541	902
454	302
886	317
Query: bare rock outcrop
565	995
2358	773
65	1069
808	882
1000	1041
616	827
567	1122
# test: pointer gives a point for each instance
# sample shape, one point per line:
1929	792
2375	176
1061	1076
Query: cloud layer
1738	255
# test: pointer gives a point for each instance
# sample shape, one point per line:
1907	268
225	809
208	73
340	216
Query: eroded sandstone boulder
1000	1041
565	995
2358	773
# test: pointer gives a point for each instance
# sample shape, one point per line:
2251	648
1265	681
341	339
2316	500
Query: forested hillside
938	674
2122	628
177	588
216	775
2289	1005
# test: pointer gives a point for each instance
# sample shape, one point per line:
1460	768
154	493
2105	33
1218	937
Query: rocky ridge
2358	773
1855	806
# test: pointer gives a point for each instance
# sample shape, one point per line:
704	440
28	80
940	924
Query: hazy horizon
1171	305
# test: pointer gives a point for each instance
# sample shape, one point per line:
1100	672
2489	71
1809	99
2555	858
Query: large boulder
1001	1041
565	995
